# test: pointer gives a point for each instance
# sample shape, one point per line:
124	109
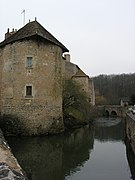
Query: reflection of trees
52	157
112	133
130	158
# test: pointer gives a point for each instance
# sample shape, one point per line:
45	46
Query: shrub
76	108
11	125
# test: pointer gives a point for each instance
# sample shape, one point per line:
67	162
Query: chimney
8	34
67	57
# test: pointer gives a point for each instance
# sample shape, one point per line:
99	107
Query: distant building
125	101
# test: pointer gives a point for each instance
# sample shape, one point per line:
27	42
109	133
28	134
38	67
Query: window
89	99
29	62
28	90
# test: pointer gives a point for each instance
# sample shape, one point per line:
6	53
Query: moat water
98	152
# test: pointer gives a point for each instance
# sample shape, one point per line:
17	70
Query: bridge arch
115	110
107	113
113	113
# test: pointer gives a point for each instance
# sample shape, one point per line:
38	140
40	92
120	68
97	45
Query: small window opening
28	90
29	62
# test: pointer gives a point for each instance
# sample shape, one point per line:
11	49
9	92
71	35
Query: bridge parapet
115	110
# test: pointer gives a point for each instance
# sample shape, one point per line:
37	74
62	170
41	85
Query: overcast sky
100	34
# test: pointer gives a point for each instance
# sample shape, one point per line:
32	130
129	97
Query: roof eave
80	76
4	43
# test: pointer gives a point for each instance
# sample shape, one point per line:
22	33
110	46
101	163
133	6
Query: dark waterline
89	153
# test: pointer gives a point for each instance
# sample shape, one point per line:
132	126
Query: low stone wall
9	167
130	130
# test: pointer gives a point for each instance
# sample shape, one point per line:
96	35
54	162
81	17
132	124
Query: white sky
100	34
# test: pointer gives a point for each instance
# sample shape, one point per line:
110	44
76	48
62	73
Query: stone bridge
114	110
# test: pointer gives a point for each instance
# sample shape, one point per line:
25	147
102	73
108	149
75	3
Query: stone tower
31	80
73	71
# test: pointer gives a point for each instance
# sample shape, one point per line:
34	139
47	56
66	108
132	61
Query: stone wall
130	130
9	167
83	81
70	69
42	112
0	75
91	91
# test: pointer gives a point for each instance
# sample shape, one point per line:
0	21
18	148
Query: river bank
9	167
130	130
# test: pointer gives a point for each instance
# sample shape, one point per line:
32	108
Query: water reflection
109	129
76	149
49	158
97	153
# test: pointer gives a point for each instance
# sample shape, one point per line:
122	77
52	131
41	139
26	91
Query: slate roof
32	29
80	73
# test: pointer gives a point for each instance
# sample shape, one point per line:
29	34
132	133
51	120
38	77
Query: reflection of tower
53	157
76	149
40	157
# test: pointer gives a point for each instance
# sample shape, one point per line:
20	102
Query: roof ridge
31	29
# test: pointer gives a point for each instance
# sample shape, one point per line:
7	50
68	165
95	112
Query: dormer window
29	62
